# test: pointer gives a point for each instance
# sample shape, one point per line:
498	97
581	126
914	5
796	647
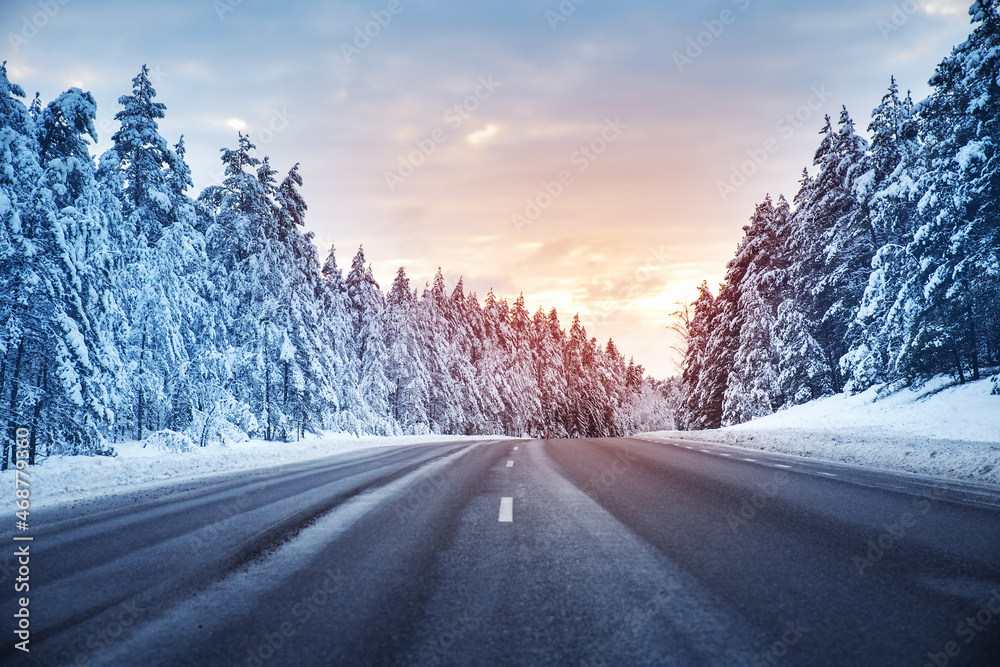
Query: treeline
130	309
886	268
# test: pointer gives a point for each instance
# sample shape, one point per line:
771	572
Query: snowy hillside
951	432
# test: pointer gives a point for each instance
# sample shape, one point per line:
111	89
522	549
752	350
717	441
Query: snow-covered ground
950	432
65	479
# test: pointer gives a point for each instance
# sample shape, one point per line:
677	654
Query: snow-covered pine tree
549	342
140	155
409	381
886	199
367	303
464	313
489	366
438	352
338	331
617	415
60	361
829	252
953	296
520	373
25	320
576	379
752	387
240	256
728	319
697	414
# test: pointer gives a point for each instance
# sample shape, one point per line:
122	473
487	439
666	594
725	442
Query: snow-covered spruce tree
952	298
163	282
438	351
549	343
141	156
338	330
699	382
728	319
489	367
465	316
25	316
578	405
521	373
886	192
309	364
594	398
370	406
617	409
409	381
752	387
829	252
250	264
59	358
278	300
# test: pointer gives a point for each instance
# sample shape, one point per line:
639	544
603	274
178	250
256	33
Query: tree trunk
36	417
958	364
974	346
267	403
12	422
139	407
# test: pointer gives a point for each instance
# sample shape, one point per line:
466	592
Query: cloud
350	122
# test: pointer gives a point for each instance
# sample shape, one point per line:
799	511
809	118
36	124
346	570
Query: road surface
556	552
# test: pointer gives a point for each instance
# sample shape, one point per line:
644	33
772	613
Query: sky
597	156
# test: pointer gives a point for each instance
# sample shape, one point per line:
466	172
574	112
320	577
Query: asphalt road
608	552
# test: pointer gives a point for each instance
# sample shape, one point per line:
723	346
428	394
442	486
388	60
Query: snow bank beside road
62	479
949	432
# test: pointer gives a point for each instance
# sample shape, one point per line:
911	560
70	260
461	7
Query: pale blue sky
642	224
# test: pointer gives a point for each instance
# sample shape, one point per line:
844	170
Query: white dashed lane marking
506	510
515	449
510	464
779	465
751	460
